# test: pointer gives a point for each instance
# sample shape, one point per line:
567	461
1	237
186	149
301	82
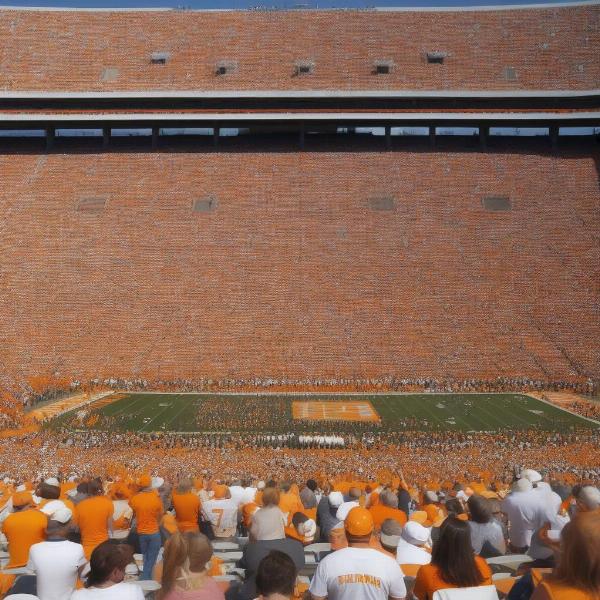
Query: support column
554	137
301	136
484	133
106	137
432	137
388	137
50	135
216	135
155	135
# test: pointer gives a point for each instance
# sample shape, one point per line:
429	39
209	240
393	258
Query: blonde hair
270	497
184	552
579	560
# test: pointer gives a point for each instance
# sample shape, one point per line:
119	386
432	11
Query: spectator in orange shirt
24	527
187	507
94	516
387	508
148	510
453	562
289	503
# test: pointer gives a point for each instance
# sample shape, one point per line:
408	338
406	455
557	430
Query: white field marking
565	410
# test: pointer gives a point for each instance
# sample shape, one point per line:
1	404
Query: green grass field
148	412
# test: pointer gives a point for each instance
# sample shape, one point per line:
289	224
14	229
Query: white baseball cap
336	499
415	534
531	475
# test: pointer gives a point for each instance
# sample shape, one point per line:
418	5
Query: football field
161	412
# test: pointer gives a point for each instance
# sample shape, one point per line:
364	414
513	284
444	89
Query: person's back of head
191	550
480	509
588	498
285	486
108	562
454	507
82	487
270	497
276	576
95	488
453	554
579	559
184	486
48	492
354	493
389	499
311	484
390	534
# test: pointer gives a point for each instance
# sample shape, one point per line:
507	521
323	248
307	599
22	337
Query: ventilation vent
92	206
304	67
223	67
204	205
383	67
382	203
496	203
510	74
160	58
436	58
109	74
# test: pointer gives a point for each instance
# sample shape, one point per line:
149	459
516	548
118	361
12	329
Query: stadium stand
553	47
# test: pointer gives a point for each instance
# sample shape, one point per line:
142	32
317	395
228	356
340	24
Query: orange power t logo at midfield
345	410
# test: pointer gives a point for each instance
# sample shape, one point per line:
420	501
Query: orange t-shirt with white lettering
187	510
429	579
22	530
148	511
93	515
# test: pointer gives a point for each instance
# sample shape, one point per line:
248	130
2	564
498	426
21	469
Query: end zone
350	410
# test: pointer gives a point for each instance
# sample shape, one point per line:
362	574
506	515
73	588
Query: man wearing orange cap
148	511
359	571
24	527
222	512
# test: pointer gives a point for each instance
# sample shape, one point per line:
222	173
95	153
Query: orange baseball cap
22	499
359	522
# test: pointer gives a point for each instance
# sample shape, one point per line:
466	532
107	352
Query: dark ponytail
105	558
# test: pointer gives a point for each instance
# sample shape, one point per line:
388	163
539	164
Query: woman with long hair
107	572
453	562
185	569
577	574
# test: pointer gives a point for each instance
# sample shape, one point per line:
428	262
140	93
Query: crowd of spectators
89	538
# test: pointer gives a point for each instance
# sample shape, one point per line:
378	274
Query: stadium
358	248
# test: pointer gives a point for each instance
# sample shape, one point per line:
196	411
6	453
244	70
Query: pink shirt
209	591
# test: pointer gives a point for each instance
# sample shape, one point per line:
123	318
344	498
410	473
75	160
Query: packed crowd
82	537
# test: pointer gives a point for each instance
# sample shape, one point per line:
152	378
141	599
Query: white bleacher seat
512	561
229	556
484	592
498	576
21	597
225	546
228	577
316	548
310	559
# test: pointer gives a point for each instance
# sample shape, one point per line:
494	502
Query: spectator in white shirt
57	562
527	510
358	571
105	580
222	512
411	545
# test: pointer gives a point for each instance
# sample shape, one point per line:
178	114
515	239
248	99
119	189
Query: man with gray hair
387	508
588	499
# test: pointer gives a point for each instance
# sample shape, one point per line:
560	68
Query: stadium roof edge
482	8
291	117
194	94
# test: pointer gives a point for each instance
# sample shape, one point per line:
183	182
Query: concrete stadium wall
546	48
300	264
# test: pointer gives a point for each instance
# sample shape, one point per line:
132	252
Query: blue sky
254	3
